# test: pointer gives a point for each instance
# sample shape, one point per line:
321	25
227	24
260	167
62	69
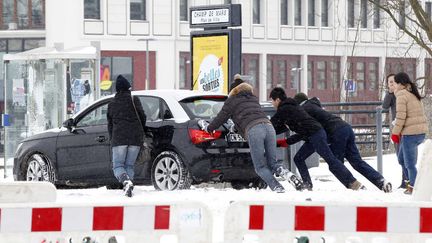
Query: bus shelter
43	87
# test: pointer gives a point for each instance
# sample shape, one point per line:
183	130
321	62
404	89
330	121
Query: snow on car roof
177	94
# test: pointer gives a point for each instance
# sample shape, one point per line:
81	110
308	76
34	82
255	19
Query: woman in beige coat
411	126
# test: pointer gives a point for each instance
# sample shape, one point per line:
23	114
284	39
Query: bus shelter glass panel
34	100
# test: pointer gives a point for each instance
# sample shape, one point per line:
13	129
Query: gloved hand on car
203	124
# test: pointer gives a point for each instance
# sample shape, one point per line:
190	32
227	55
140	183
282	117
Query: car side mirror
69	123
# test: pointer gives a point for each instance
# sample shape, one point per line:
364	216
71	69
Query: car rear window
203	107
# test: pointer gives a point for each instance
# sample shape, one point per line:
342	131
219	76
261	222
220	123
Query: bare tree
411	18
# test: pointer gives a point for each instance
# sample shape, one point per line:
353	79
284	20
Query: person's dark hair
387	78
278	92
403	78
300	97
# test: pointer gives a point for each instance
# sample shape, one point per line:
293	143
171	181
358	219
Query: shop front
44	87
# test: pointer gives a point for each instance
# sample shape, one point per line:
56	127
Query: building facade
312	45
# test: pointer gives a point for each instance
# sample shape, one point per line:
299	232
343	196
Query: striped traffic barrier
179	221
327	222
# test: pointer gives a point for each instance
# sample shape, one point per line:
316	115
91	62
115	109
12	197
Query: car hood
45	134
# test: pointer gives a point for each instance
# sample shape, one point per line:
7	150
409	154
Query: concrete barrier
27	191
174	222
423	185
285	222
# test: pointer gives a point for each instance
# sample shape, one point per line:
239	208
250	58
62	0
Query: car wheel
38	168
170	173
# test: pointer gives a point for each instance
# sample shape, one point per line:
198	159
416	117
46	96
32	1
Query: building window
185	71
324	76
428	9
311	13
250	67
22	14
428	75
257	11
284	12
376	17
396	65
91	9
364	71
117	65
184	10
324	13
280	74
351	13
402	14
138	10
364	13
298	12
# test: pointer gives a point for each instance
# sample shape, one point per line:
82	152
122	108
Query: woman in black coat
126	123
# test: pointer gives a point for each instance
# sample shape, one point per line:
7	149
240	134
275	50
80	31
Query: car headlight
18	149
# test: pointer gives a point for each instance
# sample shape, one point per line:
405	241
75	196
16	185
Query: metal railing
345	108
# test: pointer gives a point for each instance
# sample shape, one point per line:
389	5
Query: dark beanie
237	81
300	97
122	84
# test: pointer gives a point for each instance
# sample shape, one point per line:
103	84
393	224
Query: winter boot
128	188
307	186
356	185
409	190
291	178
279	189
386	186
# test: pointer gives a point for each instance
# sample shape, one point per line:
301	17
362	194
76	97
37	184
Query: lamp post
147	60
296	71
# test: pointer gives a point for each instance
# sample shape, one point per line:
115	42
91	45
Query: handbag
147	147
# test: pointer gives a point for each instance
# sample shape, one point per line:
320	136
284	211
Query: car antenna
193	84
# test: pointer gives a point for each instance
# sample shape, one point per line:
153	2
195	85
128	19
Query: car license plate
234	137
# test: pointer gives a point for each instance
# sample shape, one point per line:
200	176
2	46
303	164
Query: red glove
282	142
395	138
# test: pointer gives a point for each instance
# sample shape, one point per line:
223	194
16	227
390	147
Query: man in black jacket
342	141
246	113
126	131
290	114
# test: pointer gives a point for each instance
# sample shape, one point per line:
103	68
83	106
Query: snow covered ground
219	196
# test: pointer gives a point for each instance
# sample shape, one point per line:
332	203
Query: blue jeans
262	144
342	143
318	142
408	154
124	158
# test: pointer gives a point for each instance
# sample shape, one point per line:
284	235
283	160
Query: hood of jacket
315	101
288	102
243	87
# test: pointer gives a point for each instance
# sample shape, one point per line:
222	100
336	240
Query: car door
83	152
152	109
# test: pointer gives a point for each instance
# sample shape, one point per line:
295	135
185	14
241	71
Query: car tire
170	173
38	168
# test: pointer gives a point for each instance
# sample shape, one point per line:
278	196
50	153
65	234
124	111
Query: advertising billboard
210	63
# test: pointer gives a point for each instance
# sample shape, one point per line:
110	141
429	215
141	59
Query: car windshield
203	107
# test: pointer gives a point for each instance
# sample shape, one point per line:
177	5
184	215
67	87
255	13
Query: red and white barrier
283	222
182	222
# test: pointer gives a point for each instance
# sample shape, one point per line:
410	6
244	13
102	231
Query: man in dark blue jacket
342	141
290	115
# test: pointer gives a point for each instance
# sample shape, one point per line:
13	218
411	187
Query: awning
83	52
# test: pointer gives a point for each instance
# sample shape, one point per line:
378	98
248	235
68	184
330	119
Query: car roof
177	94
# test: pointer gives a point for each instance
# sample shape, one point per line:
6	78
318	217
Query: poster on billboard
210	63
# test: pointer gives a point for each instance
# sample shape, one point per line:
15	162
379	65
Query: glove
282	142
203	124
395	138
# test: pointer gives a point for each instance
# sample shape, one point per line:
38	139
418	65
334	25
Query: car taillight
198	136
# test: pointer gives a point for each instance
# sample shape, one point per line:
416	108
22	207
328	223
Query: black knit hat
237	81
122	84
300	97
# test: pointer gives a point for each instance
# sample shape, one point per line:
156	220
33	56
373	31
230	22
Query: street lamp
147	60
296	70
